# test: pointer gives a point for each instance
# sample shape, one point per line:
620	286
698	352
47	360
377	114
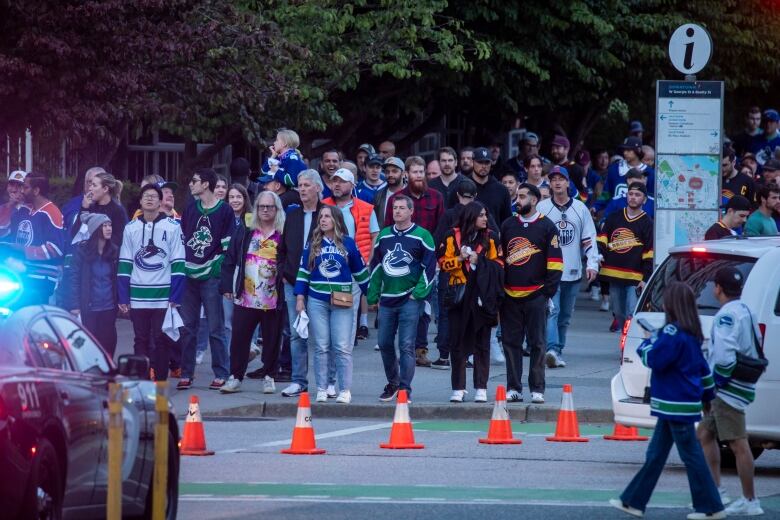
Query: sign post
689	137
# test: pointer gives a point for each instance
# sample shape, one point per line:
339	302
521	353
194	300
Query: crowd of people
493	250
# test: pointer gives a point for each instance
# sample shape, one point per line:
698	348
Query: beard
418	187
526	209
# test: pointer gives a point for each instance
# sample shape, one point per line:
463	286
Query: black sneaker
391	391
260	373
441	364
283	376
362	332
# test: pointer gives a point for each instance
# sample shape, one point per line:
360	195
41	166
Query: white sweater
576	233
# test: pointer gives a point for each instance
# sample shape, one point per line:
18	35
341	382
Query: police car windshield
697	270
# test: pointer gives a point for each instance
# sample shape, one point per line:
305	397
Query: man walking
449	179
626	246
490	192
577	236
737	211
395	175
402	269
13	189
760	222
207	226
616	184
734	331
532	272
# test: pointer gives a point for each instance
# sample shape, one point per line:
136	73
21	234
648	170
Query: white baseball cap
17	176
344	174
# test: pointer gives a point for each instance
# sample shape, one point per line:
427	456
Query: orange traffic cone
625	433
193	442
567	429
500	430
303	442
402	435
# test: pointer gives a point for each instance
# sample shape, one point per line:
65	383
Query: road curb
422	411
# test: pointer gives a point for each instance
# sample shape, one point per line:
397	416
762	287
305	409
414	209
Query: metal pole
160	491
115	426
28	151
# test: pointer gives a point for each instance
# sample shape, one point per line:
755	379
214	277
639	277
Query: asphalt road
453	477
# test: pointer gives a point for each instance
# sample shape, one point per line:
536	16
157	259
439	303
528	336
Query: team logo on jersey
24	233
200	241
397	261
520	250
567	231
621	190
330	267
622	240
149	258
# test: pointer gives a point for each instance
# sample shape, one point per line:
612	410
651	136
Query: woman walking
239	202
680	380
464	250
329	264
101	198
251	280
91	281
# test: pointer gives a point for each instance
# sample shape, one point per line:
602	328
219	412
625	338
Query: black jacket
291	248
494	196
77	280
114	211
233	265
450	219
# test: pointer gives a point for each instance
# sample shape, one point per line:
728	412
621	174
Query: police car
54	380
696	264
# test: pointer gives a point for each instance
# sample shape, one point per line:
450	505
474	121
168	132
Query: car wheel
727	459
172	502
43	496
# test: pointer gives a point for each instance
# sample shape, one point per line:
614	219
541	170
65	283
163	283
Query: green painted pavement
517	428
461	494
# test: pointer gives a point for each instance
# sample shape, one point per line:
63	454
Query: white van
696	264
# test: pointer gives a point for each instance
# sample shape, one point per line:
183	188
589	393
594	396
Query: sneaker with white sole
595	293
537	397
231	386
618	504
710	516
441	364
743	506
551	359
293	390
345	397
269	386
513	396
331	391
254	351
604	307
480	395
199	356
376	347
457	396
322	396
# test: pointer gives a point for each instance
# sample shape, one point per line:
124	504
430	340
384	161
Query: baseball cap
738	203
771	114
531	137
582	157
636	126
344	174
374	159
772	165
394	161
482	154
638	186
560	140
631	143
368	148
17	176
168	184
730	279
467	188
559	170
635	173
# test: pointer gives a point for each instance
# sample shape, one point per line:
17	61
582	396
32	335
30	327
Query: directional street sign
689	117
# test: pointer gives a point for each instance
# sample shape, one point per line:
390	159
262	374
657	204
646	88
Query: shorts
725	421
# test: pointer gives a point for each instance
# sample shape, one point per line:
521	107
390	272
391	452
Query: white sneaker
269	386
480	395
322	396
457	396
199	357
254	351
376	347
743	506
537	397
293	390
551	359
618	504
595	293
513	396
231	386
709	516
345	396
332	391
604	307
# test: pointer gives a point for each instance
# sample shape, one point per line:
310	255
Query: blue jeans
399	370
560	317
622	298
227	311
299	348
206	293
330	328
706	498
202	341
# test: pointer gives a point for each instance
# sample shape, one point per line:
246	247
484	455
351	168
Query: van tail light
623	335
762	328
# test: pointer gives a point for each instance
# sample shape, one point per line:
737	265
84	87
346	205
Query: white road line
372	498
329	435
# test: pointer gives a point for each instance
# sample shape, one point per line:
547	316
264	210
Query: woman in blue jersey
680	380
329	264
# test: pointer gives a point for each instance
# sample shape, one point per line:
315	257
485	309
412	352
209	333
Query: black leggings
102	325
245	321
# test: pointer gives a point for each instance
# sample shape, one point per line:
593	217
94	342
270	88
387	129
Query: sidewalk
591	355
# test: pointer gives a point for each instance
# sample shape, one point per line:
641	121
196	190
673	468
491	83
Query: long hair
278	221
247	207
680	308
109	181
467	222
339	232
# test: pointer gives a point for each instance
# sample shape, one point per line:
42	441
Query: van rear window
697	270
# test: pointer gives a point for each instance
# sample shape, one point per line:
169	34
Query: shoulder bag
750	369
